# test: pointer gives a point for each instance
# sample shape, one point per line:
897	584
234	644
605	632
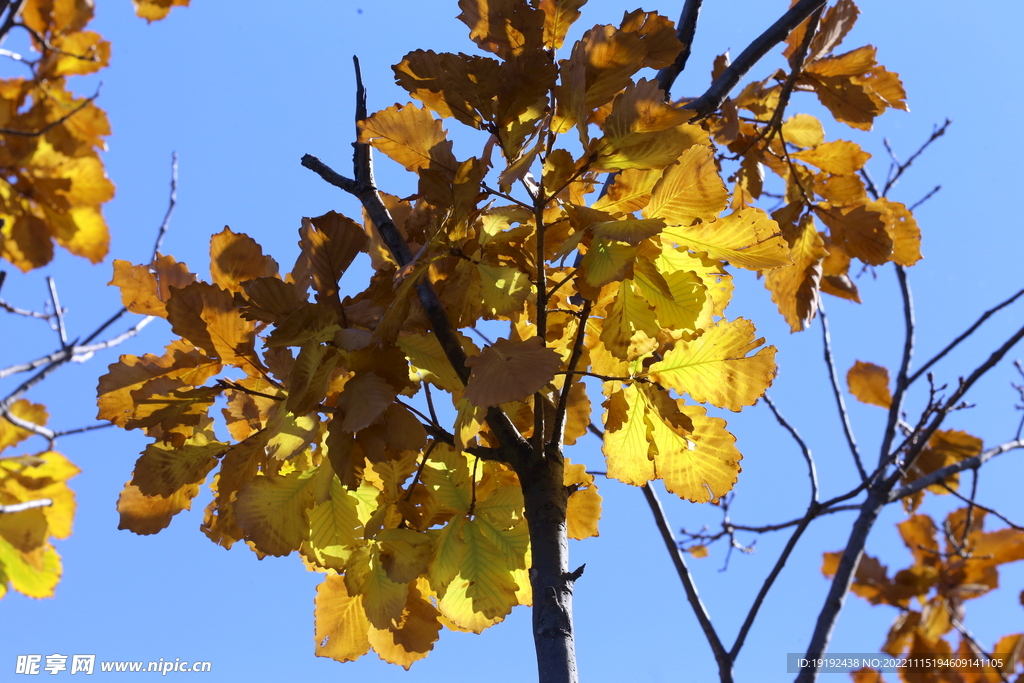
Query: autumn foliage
52	188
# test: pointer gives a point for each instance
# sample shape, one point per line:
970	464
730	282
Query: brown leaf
869	383
235	258
510	371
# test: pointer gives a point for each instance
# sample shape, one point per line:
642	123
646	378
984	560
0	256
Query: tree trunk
546	497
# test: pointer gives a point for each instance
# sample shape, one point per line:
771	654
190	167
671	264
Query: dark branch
833	377
713	98
685	30
901	378
937	476
967	333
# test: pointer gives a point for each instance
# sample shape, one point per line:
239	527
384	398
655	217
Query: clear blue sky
241	90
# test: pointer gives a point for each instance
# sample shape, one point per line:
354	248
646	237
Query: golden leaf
146	289
629	191
341	624
583	510
794	287
11	434
206	316
411	637
869	383
839	157
504	27
410	136
145	515
860	230
747	238
154	10
273	511
510	371
691	189
364	398
235	258
329	244
459	86
559	15
163	469
715	366
803	130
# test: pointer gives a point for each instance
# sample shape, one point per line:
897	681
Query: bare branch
12	16
19	311
27	505
713	98
811	471
901	378
170	207
967	333
723	658
833	375
58	312
937	132
925	198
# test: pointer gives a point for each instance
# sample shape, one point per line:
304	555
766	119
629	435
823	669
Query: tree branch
723	658
972	463
967	333
364	189
685	30
26	505
901	378
833	376
812	471
713	98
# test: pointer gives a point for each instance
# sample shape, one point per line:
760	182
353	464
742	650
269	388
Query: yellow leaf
559	15
206	316
626	439
310	377
33	574
427	357
334	528
410	136
803	130
25	530
459	86
747	238
510	371
504	288
145	515
146	289
606	261
504	27
583	510
164	469
629	191
643	131
679	298
273	511
81	52
411	637
82	231
715	366
629	323
691	189
235	258
154	10
860	230
341	624
839	157
869	383
794	287
272	300
698	551
702	466
10	434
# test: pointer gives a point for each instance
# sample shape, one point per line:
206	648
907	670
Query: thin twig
713	98
557	435
967	333
902	382
925	198
972	503
937	132
833	375
27	505
52	124
170	208
12	16
811	470
939	475
58	312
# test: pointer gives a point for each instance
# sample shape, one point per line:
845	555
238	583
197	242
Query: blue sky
241	90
